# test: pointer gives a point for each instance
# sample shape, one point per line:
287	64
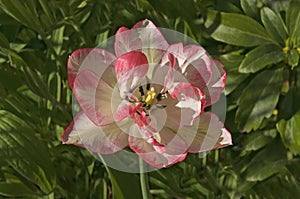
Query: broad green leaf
259	99
290	105
236	29
25	154
262	172
260	57
289	132
293	58
250	8
274	25
293	18
255	141
267	162
125	185
231	63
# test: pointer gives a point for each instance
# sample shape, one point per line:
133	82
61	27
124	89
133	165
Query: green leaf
290	103
236	29
250	8
293	18
274	25
3	41
125	185
289	132
255	141
267	162
259	99
15	189
262	172
23	11
293	58
231	62
25	154
260	57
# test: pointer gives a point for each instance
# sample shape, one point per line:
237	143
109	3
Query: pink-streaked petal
216	85
150	35
153	42
154	153
126	41
173	53
130	69
94	59
190	99
94	96
226	138
124	110
100	139
207	135
197	67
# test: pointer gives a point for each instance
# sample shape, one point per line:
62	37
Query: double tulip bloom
149	95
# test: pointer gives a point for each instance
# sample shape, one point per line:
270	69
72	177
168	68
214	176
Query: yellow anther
286	49
150	96
298	49
275	112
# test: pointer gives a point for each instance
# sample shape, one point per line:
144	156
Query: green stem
144	180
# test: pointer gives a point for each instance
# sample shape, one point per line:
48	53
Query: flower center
144	98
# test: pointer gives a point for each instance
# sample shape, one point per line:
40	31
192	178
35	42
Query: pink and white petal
155	154
190	99
197	67
94	59
100	139
176	50
150	35
126	41
131	68
124	110
95	97
153	42
226	138
216	85
207	136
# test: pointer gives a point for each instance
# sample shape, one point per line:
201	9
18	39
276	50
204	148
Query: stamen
148	86
150	96
141	90
162	96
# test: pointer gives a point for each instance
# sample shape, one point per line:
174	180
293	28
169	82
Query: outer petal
190	99
155	154
130	69
216	85
144	36
207	135
101	139
197	67
94	59
226	138
126	41
193	63
153	42
95	97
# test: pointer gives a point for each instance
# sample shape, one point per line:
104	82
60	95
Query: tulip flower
148	95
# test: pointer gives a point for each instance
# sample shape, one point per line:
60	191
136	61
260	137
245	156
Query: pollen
150	96
286	49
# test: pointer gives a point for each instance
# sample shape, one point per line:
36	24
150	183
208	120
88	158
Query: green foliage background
257	40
